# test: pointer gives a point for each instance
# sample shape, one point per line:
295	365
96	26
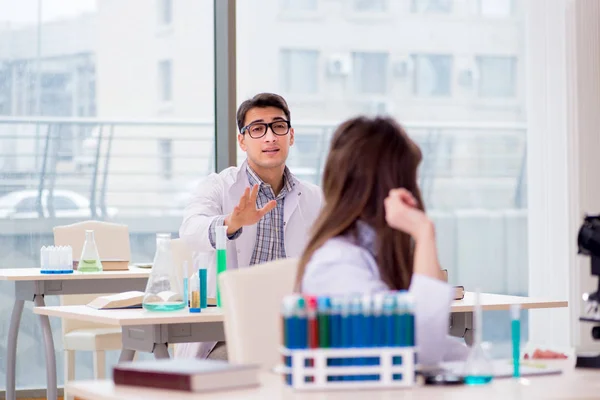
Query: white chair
251	300
80	335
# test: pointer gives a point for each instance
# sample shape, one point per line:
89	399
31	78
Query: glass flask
164	290
478	367
90	259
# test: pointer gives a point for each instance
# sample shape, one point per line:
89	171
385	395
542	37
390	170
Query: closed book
192	375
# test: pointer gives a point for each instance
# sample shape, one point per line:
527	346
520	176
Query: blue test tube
378	325
358	328
336	330
368	334
410	318
401	324
346	331
389	320
302	326
288	314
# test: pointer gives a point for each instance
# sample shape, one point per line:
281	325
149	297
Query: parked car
22	204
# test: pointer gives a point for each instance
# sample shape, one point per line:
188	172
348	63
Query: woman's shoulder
340	265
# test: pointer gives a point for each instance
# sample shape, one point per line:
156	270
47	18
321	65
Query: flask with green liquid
221	256
90	259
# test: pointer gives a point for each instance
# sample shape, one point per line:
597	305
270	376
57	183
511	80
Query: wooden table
152	331
461	320
571	384
31	285
149	331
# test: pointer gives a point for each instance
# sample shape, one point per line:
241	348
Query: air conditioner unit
339	64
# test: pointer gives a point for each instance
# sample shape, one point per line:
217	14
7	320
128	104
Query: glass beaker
164	290
90	259
478	367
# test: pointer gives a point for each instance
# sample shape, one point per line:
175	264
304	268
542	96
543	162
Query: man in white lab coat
267	210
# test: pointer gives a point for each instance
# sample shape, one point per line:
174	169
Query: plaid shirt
269	244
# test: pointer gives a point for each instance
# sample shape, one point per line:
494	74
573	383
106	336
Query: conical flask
478	369
164	290
90	259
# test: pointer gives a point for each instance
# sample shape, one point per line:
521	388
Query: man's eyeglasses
259	129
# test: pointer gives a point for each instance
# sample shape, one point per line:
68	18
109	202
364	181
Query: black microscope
588	241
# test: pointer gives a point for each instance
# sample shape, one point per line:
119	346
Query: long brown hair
368	157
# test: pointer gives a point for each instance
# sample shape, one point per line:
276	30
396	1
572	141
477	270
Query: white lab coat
217	196
341	266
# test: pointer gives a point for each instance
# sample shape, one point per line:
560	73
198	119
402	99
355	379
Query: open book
134	299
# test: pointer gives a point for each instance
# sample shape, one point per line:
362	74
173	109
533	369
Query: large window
412	65
118	110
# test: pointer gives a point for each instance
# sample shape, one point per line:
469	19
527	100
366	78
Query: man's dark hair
262	100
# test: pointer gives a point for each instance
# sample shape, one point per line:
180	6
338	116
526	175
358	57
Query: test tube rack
318	376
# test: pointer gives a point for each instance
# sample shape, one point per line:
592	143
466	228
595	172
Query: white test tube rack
390	375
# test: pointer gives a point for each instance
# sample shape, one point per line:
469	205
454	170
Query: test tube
221	232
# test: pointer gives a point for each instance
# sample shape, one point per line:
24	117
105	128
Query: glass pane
432	6
370	72
370	5
497	8
131	131
423	70
497	76
432	75
299	71
299	5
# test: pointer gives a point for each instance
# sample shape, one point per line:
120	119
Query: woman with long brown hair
373	234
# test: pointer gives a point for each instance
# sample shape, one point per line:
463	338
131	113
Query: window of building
497	76
432	75
370	72
165	154
165	80
370	5
299	72
165	12
496	8
299	5
432	6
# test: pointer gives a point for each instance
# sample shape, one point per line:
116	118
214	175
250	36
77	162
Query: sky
25	12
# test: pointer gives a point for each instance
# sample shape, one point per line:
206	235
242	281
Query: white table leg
51	382
11	349
461	326
126	355
161	350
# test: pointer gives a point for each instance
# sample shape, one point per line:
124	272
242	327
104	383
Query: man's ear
242	141
291	136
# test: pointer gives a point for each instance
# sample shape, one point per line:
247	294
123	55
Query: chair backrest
113	243
251	300
111	239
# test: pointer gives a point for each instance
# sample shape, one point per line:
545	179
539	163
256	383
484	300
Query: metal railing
114	162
